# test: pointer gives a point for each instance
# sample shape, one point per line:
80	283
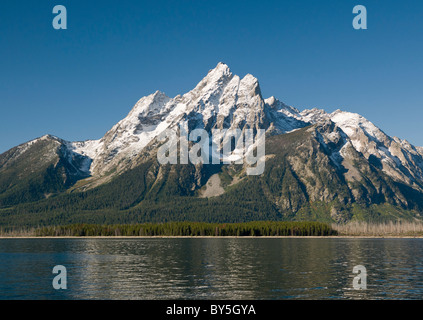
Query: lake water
216	268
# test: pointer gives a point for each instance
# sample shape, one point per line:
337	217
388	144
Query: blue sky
77	83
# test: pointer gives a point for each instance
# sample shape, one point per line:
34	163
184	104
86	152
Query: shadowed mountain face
319	166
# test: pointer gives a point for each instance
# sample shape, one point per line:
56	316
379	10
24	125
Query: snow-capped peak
397	158
216	77
223	100
219	100
249	85
355	126
313	115
350	123
279	106
150	104
211	86
221	69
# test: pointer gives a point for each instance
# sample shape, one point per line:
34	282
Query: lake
211	268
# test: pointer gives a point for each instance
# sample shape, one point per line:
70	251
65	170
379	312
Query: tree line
185	228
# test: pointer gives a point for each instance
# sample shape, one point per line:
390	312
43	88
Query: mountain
220	100
38	169
332	167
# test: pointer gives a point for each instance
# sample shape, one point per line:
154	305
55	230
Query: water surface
211	268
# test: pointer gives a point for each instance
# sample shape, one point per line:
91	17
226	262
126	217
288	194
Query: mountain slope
396	157
300	182
38	169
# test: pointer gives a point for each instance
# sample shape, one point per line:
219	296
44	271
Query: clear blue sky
77	83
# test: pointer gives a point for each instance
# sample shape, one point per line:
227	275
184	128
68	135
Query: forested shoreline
206	229
191	229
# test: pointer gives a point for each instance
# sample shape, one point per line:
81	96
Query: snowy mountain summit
225	101
221	100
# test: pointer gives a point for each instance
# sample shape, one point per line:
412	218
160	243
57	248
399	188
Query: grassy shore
388	229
